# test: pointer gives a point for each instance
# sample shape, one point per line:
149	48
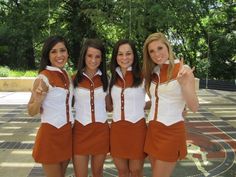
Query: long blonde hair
148	64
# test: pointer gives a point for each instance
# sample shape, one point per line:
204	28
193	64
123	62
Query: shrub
4	71
31	73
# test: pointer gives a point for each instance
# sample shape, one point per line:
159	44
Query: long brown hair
136	69
49	43
97	44
148	64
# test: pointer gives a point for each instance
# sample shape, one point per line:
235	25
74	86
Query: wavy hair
148	64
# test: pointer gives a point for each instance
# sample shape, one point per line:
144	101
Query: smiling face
125	57
93	59
58	55
158	52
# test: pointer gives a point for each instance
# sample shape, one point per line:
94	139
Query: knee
97	172
136	172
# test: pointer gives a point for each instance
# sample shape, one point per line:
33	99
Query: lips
60	61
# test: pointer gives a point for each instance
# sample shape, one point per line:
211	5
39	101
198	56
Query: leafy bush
16	73
7	72
31	73
20	73
4	71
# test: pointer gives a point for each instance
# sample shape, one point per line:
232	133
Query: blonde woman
171	86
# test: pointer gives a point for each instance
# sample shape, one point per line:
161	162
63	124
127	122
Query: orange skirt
53	145
91	139
127	139
166	143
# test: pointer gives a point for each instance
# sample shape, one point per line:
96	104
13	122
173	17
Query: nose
59	54
124	57
93	59
157	55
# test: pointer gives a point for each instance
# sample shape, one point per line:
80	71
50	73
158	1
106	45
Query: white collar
99	72
156	69
118	70
52	68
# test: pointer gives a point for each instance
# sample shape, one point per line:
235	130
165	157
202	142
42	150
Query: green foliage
31	73
202	31
4	71
23	73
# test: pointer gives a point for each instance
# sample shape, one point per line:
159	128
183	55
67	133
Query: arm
187	82
37	96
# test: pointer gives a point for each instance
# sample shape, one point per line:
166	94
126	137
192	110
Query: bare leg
97	163
80	163
64	166
152	160
136	168
162	168
122	166
53	170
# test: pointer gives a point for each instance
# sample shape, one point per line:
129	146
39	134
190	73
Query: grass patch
14	73
17	73
7	72
4	71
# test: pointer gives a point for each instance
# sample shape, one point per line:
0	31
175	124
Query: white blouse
131	100
90	102
54	104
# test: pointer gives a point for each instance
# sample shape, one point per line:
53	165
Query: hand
185	73
39	94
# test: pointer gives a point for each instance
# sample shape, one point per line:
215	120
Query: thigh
80	163
136	165
162	168
97	162
64	166
136	168
121	164
53	170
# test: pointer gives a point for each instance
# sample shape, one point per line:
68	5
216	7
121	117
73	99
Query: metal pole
208	59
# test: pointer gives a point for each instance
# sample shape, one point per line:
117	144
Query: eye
128	53
150	51
159	48
89	55
63	50
98	56
53	51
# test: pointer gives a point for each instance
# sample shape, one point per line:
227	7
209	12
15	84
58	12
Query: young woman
91	129
128	129
171	86
51	97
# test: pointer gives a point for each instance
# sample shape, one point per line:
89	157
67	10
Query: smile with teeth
60	61
127	62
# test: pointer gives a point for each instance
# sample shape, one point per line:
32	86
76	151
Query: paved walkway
211	138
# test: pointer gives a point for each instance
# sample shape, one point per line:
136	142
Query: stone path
211	138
